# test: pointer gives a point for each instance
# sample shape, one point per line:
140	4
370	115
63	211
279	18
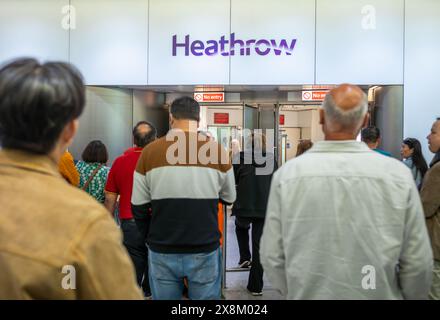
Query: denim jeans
203	271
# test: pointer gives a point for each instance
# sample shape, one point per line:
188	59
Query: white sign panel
272	42
38	29
359	41
187	42
109	43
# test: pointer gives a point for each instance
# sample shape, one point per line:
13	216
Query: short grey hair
347	119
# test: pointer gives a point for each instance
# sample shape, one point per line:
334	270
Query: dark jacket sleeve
237	168
142	216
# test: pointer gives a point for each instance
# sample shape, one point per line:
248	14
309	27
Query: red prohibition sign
307	95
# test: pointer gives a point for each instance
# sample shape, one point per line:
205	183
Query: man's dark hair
141	139
185	108
95	152
36	102
370	134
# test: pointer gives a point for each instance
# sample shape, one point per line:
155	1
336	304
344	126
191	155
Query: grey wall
389	117
108	116
154	112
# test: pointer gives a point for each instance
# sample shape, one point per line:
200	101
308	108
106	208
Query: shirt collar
133	149
28	161
340	146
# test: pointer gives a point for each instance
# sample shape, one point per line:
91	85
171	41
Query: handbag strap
91	177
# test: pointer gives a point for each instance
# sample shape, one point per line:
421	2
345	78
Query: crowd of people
343	220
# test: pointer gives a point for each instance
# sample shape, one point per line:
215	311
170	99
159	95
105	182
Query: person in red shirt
120	184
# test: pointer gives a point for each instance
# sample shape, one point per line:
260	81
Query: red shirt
120	180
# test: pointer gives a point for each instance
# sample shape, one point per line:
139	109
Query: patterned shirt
96	186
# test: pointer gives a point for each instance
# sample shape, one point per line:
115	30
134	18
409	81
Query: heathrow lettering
232	46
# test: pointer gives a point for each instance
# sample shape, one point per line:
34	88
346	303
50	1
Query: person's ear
69	132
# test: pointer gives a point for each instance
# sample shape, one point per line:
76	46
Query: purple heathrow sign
231	46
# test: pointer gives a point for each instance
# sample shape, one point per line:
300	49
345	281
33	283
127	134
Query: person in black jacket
253	169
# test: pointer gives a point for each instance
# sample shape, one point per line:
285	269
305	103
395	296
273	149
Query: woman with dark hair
411	152
93	171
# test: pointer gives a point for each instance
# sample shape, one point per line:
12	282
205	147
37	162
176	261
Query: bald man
344	222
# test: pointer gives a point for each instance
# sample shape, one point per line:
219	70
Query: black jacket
253	175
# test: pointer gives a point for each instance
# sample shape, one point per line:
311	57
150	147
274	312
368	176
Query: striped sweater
183	190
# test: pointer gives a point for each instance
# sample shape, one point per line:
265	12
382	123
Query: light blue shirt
344	222
417	175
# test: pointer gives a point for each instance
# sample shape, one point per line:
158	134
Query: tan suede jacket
430	195
56	242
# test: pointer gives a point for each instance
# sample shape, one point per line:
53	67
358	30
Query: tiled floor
236	282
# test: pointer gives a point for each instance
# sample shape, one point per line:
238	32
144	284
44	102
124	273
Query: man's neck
185	125
372	146
57	152
55	156
339	136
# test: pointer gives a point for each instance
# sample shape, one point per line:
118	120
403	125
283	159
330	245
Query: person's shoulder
79	164
155	145
120	157
118	163
434	170
383	152
105	169
289	169
389	168
63	206
153	155
435	167
390	161
157	142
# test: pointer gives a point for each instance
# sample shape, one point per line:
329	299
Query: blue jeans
203	271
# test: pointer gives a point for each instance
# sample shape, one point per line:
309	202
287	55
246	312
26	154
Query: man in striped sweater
182	177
